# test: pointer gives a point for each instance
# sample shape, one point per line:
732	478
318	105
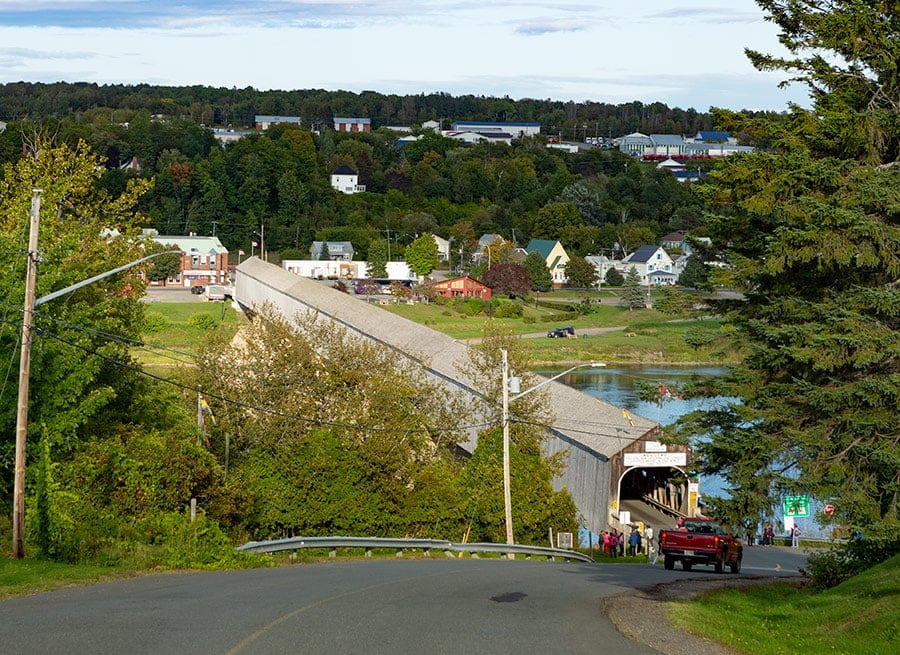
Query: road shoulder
640	615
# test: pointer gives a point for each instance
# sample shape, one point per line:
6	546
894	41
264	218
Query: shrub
614	278
472	307
861	552
673	302
827	569
155	322
200	543
585	307
508	310
202	322
697	339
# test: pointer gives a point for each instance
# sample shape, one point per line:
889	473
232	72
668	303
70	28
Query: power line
258	408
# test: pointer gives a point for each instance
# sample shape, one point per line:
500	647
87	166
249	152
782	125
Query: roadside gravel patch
640	615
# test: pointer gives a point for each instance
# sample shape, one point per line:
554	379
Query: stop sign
828	509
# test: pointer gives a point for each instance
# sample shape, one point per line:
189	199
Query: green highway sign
796	506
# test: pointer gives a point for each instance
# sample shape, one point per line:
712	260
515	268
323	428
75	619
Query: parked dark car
561	332
197	289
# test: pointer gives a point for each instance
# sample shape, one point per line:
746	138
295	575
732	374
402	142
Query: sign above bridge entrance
655	459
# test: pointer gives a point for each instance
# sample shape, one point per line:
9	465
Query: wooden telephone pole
24	374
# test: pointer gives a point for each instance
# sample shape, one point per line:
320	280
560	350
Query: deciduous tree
508	278
422	255
580	274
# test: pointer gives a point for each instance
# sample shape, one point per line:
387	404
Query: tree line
238	108
279	181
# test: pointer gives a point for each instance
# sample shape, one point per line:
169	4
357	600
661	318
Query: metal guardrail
426	545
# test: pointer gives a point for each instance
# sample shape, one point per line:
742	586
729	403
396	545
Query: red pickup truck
701	541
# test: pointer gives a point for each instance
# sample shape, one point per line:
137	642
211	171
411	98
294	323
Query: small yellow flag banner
627	417
204	410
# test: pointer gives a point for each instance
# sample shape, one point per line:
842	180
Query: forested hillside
317	107
279	179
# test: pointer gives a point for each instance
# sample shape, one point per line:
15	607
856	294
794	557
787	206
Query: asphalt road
364	606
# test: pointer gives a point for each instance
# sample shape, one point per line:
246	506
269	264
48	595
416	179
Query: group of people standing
616	544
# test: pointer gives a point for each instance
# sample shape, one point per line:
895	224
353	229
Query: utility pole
507	489
24	374
513	385
262	243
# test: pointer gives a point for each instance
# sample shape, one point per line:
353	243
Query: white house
327	269
443	248
346	180
653	264
602	264
333	250
471	136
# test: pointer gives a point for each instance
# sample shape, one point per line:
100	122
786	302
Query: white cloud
606	51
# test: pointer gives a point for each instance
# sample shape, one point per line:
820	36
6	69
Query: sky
687	54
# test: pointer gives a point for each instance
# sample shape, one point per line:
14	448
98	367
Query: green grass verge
29	576
862	615
175	328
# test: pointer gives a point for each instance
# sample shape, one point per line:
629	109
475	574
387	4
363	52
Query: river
616	385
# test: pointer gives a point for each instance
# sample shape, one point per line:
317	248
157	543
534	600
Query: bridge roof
580	419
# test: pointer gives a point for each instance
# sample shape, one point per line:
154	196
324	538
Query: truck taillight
716	541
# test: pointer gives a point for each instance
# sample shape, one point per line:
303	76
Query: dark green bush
472	307
827	569
859	553
508	310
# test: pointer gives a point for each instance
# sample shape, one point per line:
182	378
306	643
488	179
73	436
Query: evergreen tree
613	278
376	260
695	274
632	292
537	270
811	232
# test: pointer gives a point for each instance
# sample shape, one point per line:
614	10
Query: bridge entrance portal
654	496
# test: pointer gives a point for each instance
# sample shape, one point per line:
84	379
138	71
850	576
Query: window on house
195	261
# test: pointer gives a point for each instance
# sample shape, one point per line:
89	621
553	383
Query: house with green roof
554	255
204	260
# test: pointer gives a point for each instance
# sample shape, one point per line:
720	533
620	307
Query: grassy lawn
642	336
861	615
177	330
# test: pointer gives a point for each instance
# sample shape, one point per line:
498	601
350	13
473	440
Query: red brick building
204	260
463	287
